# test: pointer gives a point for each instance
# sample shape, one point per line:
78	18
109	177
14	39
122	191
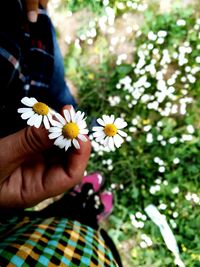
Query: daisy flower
69	129
109	132
36	113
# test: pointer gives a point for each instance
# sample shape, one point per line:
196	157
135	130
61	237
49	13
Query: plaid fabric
30	64
26	62
52	242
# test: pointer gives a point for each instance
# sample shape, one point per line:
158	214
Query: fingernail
32	16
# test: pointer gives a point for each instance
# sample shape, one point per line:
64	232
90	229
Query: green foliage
160	161
76	5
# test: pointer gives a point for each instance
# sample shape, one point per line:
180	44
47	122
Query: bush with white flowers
154	85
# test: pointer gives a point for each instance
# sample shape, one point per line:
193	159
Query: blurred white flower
173	140
147	239
152	36
175	214
143	244
181	22
161	169
198	59
162	33
147	128
138	215
190	129
114	100
162	206
186	137
149	138
175	190
176	161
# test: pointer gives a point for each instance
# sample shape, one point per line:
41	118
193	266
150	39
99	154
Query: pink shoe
95	179
106	199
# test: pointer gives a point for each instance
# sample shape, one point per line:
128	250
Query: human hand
26	174
32	7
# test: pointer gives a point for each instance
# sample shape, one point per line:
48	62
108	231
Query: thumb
17	147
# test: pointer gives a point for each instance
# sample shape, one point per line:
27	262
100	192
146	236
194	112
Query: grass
158	94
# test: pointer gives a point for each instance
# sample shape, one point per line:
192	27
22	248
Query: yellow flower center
41	108
110	130
70	130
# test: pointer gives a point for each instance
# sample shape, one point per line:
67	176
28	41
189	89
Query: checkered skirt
51	242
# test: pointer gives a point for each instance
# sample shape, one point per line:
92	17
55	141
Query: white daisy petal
106	141
97	128
63	143
112	118
56	123
38	121
122	133
52	112
27	115
59	140
60	118
100	138
27	101
83	131
111	143
99	133
82	137
46	122
118	140
32	119
55	130
33	100
54	135
101	122
72	113
106	119
82	124
120	123
80	118
24	110
76	144
77	115
51	120
67	115
68	144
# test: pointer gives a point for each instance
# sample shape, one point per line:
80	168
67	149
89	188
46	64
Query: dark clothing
30	65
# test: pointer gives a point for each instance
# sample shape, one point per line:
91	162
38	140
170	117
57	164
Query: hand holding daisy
69	129
28	175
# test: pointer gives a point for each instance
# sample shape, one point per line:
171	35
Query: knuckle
32	140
